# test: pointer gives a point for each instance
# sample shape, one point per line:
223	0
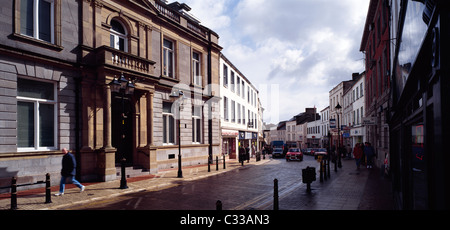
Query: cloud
306	47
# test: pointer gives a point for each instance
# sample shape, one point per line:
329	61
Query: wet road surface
247	188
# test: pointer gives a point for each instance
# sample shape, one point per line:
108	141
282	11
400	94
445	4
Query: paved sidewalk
95	192
347	189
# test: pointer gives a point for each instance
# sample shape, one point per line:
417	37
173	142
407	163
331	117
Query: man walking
68	171
370	153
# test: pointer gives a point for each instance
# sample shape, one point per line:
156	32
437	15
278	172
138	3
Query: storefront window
420	194
414	30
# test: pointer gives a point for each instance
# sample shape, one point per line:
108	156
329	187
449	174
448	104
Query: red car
320	152
294	154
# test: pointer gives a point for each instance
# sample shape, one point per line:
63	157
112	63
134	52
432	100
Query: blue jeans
358	162
63	183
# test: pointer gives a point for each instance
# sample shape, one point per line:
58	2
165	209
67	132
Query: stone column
106	155
150	119
107	116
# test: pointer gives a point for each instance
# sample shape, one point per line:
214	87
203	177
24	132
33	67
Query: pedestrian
349	151
370	153
68	171
357	153
241	153
253	150
247	153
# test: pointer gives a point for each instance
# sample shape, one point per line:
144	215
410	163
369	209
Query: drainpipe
210	149
77	125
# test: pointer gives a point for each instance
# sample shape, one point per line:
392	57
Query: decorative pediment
147	4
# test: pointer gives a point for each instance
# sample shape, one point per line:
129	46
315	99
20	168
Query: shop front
357	135
247	140
229	138
419	112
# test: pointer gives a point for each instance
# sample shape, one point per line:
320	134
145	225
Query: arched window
118	36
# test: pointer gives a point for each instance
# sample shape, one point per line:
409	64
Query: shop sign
368	121
230	133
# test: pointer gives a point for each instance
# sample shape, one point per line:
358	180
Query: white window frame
166	132
36	20
232	81
233	111
238	85
117	36
166	52
239	120
225	109
36	103
195	128
225	76
197	69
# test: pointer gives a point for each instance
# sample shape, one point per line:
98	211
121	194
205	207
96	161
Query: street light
124	87
338	108
179	95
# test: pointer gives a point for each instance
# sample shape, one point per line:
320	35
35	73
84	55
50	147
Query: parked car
308	151
277	152
320	152
294	154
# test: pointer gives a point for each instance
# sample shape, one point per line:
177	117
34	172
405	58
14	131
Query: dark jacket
369	151
69	165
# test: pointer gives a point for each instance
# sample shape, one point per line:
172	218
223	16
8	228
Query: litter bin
308	176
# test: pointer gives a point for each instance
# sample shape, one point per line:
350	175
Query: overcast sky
293	51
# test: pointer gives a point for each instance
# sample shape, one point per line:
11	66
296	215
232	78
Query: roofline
237	70
369	19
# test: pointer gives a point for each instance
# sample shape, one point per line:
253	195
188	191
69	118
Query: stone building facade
39	88
161	49
56	73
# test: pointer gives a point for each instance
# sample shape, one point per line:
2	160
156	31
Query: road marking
137	202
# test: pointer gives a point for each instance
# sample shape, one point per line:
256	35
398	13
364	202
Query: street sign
368	121
332	123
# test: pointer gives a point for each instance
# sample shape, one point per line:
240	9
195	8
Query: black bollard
14	193
325	169
123	179
329	170
48	191
219	205
224	167
335	163
275	195
321	170
209	166
217	163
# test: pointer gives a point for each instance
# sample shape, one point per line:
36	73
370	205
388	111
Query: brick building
375	44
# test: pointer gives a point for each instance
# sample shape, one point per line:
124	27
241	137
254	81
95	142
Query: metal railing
14	187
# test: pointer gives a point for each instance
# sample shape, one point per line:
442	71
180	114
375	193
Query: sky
293	51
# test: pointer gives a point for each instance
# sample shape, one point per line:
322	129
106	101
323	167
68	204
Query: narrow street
242	189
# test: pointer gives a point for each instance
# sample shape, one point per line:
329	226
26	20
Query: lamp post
338	108
124	87
179	95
